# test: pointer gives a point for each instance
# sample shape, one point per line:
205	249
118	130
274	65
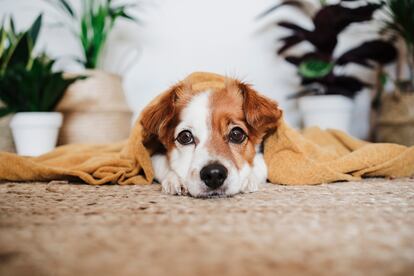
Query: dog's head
210	136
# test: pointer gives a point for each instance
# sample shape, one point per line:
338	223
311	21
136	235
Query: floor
355	228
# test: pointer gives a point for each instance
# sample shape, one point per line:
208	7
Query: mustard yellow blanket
313	156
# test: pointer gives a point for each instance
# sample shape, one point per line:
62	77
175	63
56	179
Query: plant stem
410	57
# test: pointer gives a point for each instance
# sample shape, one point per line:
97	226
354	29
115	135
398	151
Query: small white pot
361	114
327	111
35	133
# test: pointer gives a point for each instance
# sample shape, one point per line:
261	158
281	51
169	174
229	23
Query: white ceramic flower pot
328	111
35	133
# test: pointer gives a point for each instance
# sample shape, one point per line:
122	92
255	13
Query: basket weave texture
95	110
6	139
396	119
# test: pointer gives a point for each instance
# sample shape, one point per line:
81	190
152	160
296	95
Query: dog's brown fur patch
160	118
239	105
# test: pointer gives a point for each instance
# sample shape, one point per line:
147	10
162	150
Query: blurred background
170	39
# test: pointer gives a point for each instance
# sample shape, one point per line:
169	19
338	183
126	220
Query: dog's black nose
213	175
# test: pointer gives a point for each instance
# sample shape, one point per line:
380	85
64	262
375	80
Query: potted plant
326	99
98	102
395	122
30	89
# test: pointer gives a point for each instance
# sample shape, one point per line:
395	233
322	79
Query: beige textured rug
364	228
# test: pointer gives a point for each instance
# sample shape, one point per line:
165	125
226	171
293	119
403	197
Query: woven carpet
355	228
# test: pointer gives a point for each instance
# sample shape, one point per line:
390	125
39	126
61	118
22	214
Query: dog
205	136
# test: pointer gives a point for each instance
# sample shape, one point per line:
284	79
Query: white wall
182	36
219	36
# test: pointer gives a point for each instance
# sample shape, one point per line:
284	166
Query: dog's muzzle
213	175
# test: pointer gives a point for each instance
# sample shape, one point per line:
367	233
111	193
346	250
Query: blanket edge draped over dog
313	156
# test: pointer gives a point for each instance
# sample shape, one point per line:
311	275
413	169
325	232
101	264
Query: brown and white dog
205	135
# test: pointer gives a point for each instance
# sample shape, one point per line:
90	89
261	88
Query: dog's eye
185	137
237	135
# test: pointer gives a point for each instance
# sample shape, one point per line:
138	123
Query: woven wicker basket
95	110
6	139
396	119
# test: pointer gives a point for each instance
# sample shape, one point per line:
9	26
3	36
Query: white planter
328	111
360	126
35	133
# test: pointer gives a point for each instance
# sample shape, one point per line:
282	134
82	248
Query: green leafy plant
400	23
316	67
27	81
92	24
16	48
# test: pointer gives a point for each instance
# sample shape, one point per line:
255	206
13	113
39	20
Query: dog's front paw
257	176
172	185
250	185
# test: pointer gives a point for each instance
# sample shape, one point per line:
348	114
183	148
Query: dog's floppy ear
262	114
158	119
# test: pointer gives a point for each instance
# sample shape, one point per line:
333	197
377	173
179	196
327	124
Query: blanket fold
313	156
316	156
126	162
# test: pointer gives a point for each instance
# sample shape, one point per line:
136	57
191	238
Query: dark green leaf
401	18
22	51
35	28
37	89
377	51
383	79
3	41
123	14
338	85
314	68
12	26
68	8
